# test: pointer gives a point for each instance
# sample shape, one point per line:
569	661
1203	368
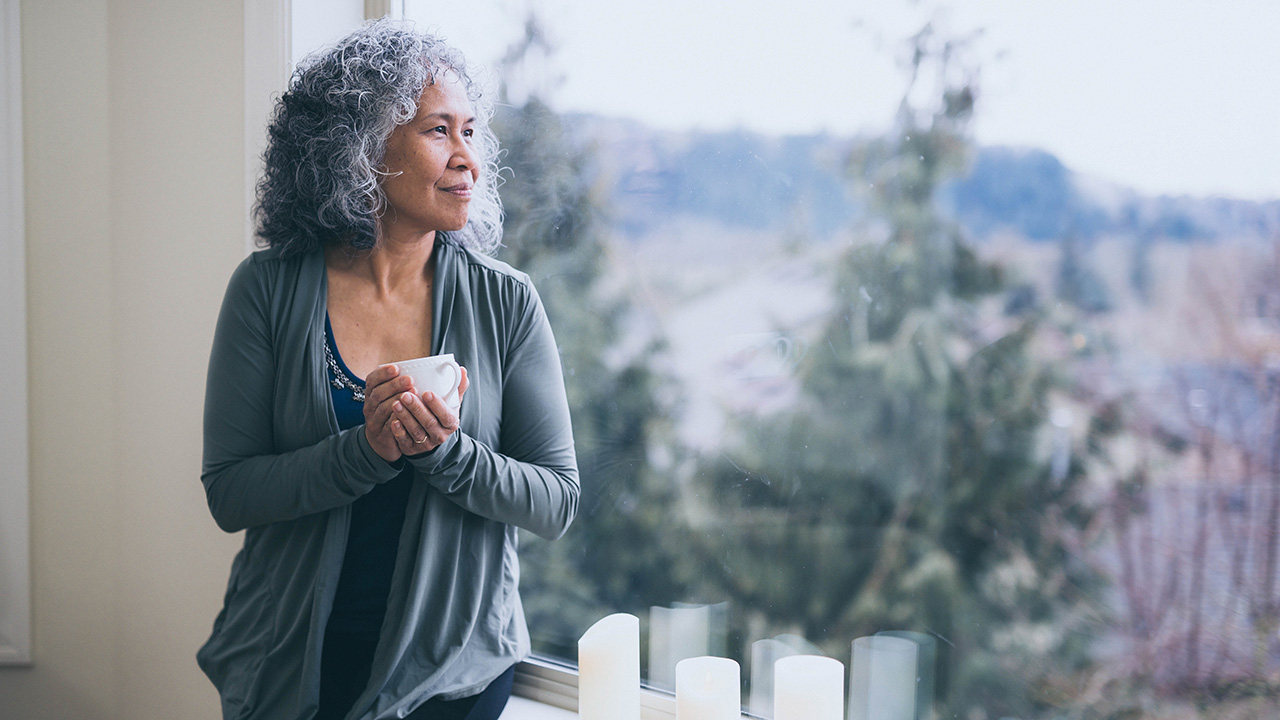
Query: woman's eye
440	129
468	133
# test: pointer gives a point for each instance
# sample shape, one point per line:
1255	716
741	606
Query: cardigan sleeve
531	480
248	481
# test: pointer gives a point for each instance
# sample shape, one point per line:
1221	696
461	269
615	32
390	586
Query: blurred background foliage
961	452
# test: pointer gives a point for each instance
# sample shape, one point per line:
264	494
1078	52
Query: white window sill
524	709
548	691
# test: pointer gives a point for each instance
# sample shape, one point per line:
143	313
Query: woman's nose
464	157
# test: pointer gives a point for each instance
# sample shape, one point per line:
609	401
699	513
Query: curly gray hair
328	137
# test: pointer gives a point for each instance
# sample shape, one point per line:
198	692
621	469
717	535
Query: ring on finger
424	439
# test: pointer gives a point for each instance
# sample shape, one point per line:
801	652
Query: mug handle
451	398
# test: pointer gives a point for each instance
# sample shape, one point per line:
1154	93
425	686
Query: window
923	378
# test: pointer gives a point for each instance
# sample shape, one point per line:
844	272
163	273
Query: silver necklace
339	379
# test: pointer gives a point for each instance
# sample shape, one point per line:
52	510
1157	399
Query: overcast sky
1165	96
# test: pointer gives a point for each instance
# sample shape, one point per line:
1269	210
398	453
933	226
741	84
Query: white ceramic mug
438	374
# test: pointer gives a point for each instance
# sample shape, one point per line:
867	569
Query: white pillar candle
764	653
808	687
882	683
708	688
609	669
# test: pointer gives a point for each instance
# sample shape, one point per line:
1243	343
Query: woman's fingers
412	424
434	408
379	402
381	374
403	441
383	441
428	421
382	387
383	384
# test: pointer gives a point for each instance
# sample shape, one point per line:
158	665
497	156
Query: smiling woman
430	165
329	137
378	575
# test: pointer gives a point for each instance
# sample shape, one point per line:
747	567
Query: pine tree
906	490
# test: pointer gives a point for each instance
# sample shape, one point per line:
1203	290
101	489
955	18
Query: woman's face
430	162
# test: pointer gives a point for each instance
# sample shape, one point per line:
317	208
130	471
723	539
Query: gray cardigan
276	465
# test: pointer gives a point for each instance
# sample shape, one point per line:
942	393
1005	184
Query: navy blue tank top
376	521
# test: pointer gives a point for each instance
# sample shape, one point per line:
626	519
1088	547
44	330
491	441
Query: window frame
15	519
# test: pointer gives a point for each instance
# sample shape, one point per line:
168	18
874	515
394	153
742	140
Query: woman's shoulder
266	255
487	269
262	272
274	260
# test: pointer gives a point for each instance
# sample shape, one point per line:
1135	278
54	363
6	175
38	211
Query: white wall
134	185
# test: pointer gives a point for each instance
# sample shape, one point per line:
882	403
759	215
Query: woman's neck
390	265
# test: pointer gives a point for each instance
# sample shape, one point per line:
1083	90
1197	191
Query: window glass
919	339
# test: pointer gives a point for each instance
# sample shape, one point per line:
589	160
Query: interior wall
134	183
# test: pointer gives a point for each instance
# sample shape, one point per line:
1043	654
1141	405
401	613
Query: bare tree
1194	518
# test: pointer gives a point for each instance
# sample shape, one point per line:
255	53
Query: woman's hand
383	388
421	423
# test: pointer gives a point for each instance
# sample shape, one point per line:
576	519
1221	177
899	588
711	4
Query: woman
378	575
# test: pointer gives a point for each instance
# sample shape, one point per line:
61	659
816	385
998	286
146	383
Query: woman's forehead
446	94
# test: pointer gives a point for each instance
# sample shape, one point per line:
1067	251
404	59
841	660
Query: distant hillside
798	184
737	179
1032	193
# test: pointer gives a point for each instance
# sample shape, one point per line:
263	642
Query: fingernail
397	406
407	397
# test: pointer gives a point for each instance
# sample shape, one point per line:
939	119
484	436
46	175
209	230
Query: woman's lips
463	191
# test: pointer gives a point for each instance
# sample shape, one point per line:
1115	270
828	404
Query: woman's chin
423	224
